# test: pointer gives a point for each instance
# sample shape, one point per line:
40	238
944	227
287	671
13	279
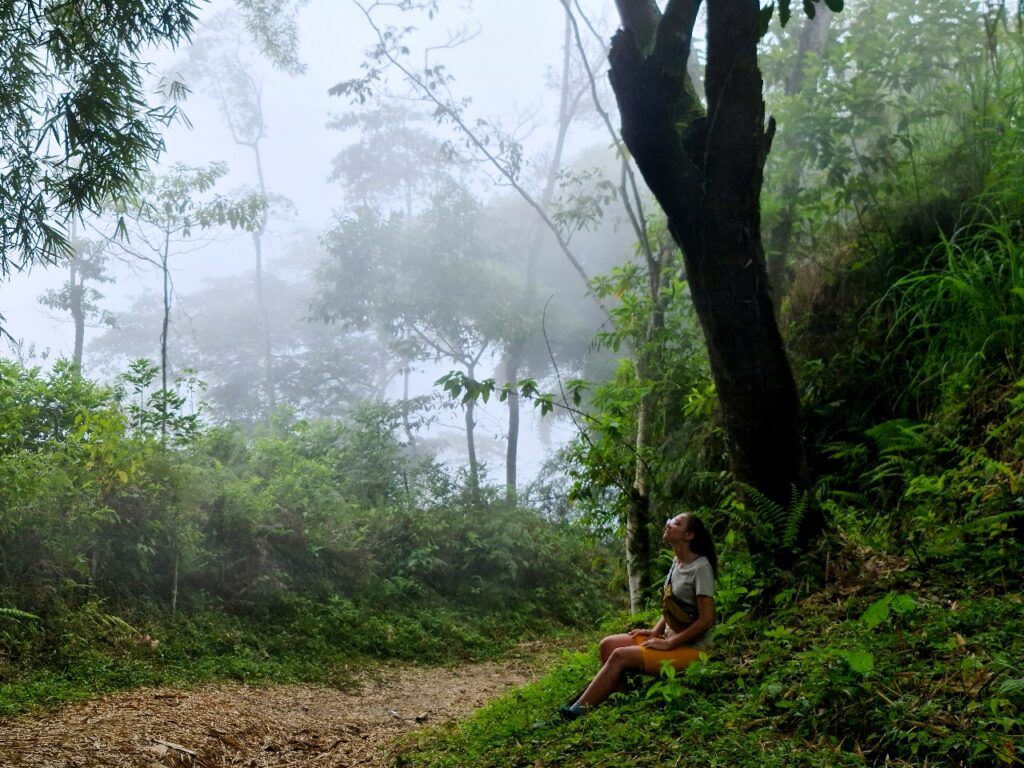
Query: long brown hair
702	543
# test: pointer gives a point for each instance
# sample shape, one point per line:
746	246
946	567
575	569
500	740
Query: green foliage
75	124
960	315
905	647
772	523
159	411
924	673
133	559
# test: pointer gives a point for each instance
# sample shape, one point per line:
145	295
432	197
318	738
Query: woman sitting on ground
688	612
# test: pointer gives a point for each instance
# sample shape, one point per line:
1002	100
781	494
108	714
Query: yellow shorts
680	657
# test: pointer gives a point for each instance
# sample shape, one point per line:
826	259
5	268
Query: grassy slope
886	665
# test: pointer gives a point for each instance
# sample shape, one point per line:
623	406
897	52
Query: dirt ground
255	727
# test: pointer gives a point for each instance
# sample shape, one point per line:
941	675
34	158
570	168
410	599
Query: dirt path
239	725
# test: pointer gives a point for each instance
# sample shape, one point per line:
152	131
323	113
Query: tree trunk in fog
249	135
513	356
474	472
410	438
174	583
707	175
638	513
76	299
813	37
512	447
257	240
164	328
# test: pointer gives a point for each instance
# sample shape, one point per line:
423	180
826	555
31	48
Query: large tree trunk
706	173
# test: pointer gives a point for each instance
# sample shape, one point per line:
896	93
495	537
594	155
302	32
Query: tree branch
635	214
446	109
641	17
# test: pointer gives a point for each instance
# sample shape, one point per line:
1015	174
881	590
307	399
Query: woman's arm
704	622
658	631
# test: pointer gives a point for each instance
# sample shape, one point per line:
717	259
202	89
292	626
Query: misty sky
503	69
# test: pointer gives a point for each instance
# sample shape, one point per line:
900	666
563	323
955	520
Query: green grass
896	669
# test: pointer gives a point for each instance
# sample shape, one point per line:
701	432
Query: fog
506	62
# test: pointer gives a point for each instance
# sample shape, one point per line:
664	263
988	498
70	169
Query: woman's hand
641	632
657	644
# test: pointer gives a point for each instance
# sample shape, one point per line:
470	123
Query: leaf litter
257	726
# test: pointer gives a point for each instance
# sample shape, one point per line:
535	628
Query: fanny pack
677	614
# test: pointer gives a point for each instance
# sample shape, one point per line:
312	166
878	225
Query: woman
688	612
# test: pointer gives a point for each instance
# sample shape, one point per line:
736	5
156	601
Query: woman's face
676	529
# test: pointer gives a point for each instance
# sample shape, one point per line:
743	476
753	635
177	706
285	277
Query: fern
782	521
14	613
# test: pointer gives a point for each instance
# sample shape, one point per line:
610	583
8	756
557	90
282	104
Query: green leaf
1015	685
860	661
836	6
877	612
810	9
903	604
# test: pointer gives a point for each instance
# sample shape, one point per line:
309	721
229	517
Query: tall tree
220	62
164	213
87	264
434	288
705	168
395	167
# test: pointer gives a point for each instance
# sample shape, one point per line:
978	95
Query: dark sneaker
568	713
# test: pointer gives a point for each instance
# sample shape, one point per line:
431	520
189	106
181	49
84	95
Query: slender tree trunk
269	391
638	512
642	502
512	446
164	328
706	172
174	583
513	356
474	472
76	289
406	426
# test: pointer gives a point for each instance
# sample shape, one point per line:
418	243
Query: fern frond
783	522
14	613
798	502
887	469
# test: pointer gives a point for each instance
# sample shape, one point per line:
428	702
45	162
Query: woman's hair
701	543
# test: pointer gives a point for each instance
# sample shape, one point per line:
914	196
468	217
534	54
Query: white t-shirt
688	581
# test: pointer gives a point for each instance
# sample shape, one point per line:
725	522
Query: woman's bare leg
611	674
612	642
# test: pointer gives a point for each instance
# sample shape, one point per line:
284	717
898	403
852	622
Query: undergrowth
888	665
89	652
